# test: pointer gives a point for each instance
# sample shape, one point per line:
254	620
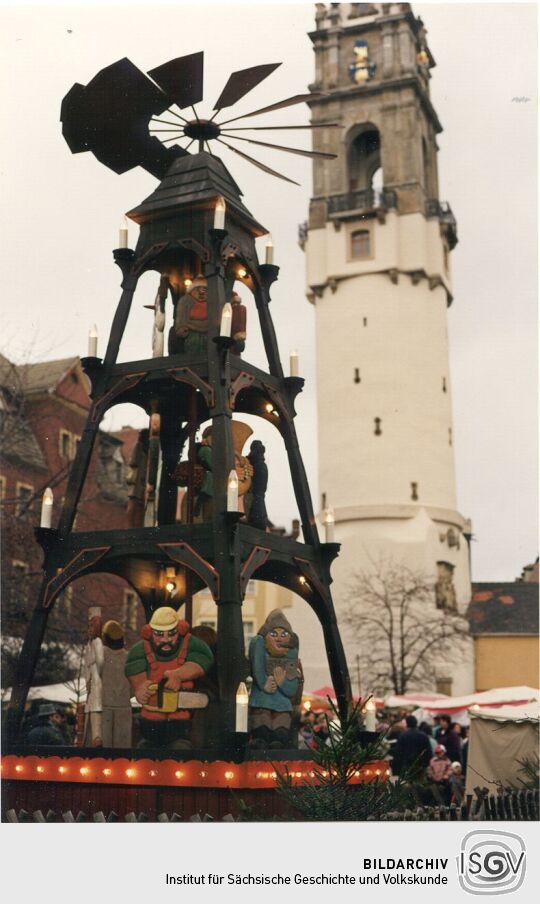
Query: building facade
44	410
378	243
504	625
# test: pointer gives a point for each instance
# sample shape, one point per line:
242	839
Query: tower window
449	436
360	244
64	441
356	375
414	491
130	610
443	685
365	321
445	593
323	500
377	430
19	569
249	631
444	384
364	157
25	499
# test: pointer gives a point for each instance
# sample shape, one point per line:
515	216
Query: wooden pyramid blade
241	82
181	79
261	166
280	147
288	102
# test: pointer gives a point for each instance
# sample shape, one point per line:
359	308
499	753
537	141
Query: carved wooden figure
93	671
116	691
275	670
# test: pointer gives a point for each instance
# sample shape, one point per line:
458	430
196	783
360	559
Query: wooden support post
337	664
268	274
26	665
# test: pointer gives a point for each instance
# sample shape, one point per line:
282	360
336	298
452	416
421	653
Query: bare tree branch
401	636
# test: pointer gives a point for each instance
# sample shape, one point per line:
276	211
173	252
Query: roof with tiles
504	608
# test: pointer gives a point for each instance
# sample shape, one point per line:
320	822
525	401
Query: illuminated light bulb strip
192	773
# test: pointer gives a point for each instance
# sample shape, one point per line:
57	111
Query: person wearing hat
188	334
49	728
116	691
168	658
273	654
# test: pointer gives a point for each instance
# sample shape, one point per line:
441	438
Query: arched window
360	244
364	158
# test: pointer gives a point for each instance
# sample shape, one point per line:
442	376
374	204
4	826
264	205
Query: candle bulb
123	234
242	699
329	525
369	714
92	342
232	492
269	256
226	320
47	508
293	364
219	214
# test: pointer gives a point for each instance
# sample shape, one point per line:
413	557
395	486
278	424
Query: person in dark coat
412	750
48	730
449	739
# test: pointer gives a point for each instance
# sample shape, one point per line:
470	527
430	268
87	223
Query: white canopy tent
57	693
500	738
428	705
54	693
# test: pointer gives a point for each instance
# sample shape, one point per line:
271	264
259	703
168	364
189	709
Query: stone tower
377	247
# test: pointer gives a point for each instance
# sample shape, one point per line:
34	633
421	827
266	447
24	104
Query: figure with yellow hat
161	669
189	331
116	692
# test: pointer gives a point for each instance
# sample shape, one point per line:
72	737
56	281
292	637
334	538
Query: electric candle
219	214
92	342
329	524
232	492
123	234
242	708
369	714
226	320
47	508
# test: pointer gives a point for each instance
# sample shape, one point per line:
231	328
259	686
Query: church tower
377	246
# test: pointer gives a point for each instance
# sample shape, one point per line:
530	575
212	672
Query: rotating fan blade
181	79
313	125
110	117
288	102
122	90
280	147
261	166
241	82
74	130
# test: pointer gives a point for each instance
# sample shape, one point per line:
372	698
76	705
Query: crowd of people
431	755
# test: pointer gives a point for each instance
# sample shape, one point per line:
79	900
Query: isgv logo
491	862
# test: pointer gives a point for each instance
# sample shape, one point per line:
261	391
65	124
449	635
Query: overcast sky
60	216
